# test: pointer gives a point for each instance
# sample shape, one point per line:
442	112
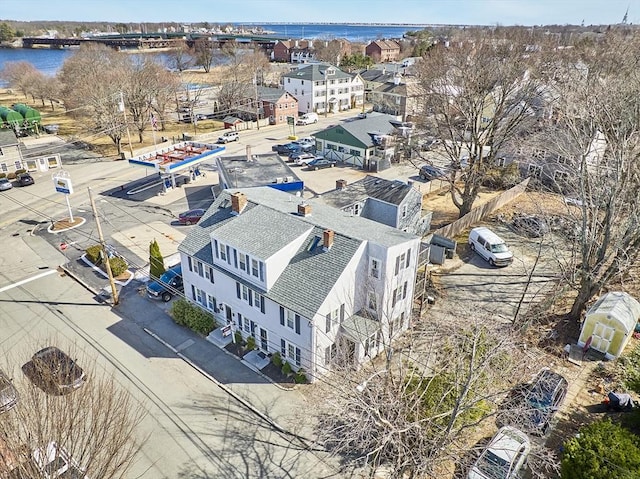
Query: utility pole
255	82
105	253
124	114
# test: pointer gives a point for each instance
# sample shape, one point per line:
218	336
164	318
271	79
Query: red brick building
383	50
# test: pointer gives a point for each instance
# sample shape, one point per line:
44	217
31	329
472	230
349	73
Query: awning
359	328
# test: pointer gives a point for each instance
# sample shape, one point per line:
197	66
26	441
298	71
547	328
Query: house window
332	319
211	303
245	293
208	273
3	167
201	297
562	159
405	209
500	161
255	268
330	353
404	290
372	301
400	262
535	171
223	252
17	165
561	176
199	268
291	319
374	268
243	262
247	326
371	344
258	301
538	153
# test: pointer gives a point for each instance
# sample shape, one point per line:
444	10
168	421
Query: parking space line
24	281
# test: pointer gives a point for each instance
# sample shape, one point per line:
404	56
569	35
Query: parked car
302	158
532	406
5	184
307	119
228	136
530	225
503	457
56	371
24	179
191	217
168	285
320	163
430	172
490	246
54	461
305	142
286	148
8	393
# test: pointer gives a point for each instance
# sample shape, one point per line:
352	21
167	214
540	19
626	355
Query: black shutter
250	297
239	322
193	292
404	290
408	258
281	315
283	348
253	329
262	304
397	265
238	289
235	258
228	253
341	313
297	324
211	275
297	356
215	305
190	264
215	248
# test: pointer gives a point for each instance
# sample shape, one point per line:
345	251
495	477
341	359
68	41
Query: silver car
5	184
8	393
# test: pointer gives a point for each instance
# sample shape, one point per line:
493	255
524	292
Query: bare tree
476	95
93	81
330	51
180	57
95	424
203	53
597	130
20	75
413	415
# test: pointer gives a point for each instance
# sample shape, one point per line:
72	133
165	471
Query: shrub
156	261
193	317
3	175
21	170
276	359
94	254
11	175
251	343
601	451
286	368
300	377
118	265
237	336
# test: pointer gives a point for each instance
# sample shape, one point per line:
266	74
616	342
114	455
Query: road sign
291	120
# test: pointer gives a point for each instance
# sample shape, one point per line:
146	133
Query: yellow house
609	323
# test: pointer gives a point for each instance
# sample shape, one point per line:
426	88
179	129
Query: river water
49	61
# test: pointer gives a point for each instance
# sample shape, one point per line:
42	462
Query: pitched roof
8	138
362	129
386	44
272	94
389	191
269	223
376	75
316	72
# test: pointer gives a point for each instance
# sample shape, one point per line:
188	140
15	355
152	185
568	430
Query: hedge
193	317
118	265
93	253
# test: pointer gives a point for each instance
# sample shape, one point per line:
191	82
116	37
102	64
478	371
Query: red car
190	217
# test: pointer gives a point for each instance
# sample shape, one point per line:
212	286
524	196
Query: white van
308	118
490	246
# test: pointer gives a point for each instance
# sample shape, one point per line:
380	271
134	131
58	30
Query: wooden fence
479	212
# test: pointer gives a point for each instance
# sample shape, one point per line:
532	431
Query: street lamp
124	114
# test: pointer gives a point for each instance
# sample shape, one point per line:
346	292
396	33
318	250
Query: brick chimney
304	209
327	239
238	202
341	184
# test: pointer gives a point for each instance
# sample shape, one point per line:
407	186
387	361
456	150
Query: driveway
469	284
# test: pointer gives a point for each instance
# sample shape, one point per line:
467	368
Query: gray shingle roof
315	72
8	138
270	217
264	239
389	191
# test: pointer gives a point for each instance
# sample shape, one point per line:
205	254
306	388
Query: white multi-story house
311	282
321	88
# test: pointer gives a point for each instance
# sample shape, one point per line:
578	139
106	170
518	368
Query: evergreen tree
156	260
6	32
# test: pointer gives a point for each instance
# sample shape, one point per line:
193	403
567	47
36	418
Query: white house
324	88
311	282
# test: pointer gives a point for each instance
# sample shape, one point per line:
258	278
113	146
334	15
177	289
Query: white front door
602	337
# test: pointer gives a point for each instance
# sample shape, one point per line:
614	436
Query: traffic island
65	224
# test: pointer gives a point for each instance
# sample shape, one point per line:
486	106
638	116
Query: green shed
31	115
10	117
610	323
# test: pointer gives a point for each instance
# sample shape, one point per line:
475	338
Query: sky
467	12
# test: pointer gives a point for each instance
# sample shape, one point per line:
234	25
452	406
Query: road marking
24	281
